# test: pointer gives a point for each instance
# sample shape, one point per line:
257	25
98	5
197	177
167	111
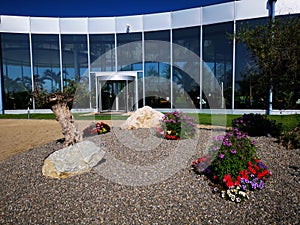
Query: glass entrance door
116	95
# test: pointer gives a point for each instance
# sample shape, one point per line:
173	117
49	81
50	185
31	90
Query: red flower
200	159
228	181
263	173
244	174
250	163
257	168
253	171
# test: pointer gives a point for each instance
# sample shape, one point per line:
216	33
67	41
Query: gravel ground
172	195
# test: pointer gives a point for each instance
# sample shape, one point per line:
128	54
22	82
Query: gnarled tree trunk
59	106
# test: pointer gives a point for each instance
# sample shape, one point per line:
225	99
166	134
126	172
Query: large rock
76	159
145	117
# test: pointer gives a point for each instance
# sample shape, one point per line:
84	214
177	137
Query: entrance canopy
116	76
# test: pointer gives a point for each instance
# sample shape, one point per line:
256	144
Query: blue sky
92	8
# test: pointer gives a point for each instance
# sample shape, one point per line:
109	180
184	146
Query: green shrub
257	125
291	139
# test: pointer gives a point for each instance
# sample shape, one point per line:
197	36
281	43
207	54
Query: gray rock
76	159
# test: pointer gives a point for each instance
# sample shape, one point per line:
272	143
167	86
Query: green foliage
42	96
291	139
233	167
236	149
257	125
176	125
275	49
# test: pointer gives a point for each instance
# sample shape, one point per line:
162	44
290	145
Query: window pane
74	57
157	69
186	68
129	51
46	67
217	57
102	52
16	70
244	86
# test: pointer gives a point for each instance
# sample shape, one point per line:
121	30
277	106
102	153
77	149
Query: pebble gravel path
27	197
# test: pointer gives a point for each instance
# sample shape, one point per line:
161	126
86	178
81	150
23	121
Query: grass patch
288	121
51	116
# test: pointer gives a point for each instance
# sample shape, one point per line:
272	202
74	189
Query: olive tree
61	103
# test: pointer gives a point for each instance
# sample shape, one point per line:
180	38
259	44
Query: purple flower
254	185
233	151
262	166
244	187
261	184
216	189
227	143
253	142
216	148
222	156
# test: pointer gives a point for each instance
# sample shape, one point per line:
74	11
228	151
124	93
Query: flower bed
96	129
233	166
177	125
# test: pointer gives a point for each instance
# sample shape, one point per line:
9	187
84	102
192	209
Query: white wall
240	10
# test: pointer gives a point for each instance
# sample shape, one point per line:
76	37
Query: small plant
291	139
233	167
176	125
96	129
257	125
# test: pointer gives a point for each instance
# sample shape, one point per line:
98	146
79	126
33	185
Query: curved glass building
126	62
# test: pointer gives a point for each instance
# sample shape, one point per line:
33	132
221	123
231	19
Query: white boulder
145	117
76	159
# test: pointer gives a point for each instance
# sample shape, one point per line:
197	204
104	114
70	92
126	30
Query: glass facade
244	96
102	54
157	69
16	70
129	51
186	66
74	57
217	55
46	63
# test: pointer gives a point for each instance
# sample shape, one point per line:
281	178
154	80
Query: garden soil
19	135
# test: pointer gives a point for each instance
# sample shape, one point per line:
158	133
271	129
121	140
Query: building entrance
116	91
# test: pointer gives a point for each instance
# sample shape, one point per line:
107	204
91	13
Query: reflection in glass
129	50
186	67
46	66
16	70
245	97
102	54
74	57
217	55
157	69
